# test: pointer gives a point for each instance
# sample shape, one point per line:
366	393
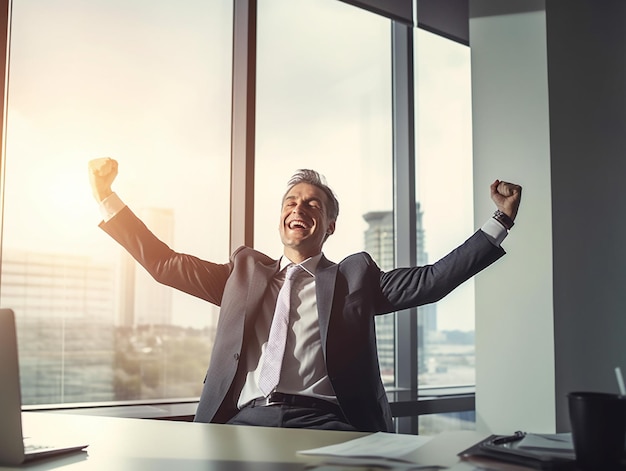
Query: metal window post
5	26
404	206
243	124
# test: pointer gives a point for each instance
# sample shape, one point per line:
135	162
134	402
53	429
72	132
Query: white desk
119	444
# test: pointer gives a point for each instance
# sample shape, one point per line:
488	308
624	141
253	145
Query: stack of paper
386	450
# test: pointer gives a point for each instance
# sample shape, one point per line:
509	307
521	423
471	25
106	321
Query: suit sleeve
205	280
410	287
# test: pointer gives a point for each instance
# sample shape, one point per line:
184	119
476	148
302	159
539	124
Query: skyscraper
379	243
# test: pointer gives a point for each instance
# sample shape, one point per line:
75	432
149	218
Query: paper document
378	448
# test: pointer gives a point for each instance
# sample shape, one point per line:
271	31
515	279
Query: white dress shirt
304	370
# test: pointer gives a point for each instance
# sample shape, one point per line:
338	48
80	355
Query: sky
148	83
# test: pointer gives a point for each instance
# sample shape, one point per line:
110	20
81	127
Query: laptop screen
11	442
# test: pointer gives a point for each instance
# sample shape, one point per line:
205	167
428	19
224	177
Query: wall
514	316
549	113
587	80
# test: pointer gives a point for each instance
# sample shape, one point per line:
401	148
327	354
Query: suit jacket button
236	356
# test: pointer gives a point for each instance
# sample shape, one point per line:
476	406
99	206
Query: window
445	219
324	102
445	199
148	83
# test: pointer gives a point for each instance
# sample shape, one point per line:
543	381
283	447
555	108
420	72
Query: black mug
598	422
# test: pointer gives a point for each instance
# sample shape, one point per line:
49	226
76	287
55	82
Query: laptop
14	448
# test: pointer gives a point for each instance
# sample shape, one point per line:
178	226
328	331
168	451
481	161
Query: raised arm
200	278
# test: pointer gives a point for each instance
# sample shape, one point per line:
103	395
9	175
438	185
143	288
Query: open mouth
297	224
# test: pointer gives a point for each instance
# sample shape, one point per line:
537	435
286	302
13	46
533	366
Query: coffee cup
598	422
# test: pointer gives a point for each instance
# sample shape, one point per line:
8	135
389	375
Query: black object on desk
506	448
508	438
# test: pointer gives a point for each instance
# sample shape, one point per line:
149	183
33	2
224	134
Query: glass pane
148	83
445	198
432	424
324	102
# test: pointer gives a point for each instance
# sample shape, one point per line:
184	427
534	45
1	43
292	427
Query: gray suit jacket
349	295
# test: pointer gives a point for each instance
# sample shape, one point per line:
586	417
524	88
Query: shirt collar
309	265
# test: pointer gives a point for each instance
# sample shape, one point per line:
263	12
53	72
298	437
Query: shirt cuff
110	206
494	231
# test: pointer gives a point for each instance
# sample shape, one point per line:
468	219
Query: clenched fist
507	197
102	172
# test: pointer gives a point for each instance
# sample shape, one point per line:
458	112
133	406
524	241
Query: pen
509	438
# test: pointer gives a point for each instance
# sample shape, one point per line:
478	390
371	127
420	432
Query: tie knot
292	271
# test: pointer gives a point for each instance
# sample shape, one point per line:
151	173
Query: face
304	222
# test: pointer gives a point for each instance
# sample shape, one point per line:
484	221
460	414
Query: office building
379	243
63	307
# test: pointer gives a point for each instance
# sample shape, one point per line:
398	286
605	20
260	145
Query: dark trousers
277	415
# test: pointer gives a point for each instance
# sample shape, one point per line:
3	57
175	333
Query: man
321	369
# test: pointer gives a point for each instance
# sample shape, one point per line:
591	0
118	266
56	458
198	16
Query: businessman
296	343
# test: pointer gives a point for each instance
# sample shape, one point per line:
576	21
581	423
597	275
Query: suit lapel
325	277
261	276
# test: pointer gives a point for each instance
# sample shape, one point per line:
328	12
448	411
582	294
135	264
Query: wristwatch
503	219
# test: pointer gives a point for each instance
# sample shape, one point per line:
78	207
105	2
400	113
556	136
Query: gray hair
316	179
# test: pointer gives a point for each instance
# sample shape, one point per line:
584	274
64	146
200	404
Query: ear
331	228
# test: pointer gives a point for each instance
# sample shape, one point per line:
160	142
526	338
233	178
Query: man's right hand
102	172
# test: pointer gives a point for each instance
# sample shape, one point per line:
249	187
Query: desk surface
142	444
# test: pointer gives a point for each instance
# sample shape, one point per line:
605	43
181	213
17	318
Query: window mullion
404	206
243	124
